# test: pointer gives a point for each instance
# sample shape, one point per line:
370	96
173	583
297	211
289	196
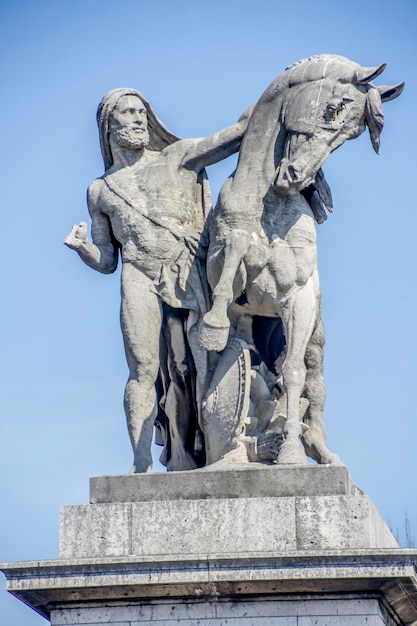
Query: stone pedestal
256	545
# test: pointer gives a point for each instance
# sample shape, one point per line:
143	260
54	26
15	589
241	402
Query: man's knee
142	354
143	370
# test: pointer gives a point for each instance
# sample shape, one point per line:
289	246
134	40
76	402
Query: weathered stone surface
266	613
213	526
150	208
178	527
340	521
96	531
136	585
263	229
242	280
217	526
249	481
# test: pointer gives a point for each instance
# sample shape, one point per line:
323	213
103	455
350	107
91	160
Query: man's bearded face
129	123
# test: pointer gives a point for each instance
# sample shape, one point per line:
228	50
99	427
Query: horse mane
314	56
309	70
320	66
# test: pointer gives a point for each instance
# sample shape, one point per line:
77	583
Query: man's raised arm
102	253
208	150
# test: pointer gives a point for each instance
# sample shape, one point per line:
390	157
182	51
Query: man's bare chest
158	190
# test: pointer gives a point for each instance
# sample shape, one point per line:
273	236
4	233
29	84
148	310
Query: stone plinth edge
388	575
248	481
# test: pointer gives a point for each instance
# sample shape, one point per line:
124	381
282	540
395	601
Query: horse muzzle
288	180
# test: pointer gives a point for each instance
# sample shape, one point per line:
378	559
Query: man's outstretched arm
101	254
208	150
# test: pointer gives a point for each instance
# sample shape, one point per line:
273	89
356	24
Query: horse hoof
214	338
291	453
332	459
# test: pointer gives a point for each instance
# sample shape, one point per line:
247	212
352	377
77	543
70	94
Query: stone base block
244	509
252	480
222	527
340	612
257	546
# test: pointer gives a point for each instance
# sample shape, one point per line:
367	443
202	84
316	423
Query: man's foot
141	468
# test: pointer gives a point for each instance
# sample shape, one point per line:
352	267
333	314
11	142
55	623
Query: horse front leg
298	317
216	324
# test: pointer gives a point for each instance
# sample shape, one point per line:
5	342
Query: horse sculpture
262	258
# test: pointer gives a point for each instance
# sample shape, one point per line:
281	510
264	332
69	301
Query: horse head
329	100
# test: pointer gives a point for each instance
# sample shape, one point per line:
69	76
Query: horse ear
374	117
364	75
390	92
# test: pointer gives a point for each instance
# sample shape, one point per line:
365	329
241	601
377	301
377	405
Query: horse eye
333	108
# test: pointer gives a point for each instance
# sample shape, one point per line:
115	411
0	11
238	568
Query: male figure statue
152	203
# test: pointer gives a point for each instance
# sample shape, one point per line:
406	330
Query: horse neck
260	154
265	138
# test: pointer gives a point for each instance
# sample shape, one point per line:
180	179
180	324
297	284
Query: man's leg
141	325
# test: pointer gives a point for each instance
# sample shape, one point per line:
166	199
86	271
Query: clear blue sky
200	64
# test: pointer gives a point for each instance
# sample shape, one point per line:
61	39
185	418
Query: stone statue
152	204
262	262
221	311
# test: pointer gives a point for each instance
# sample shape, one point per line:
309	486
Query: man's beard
131	137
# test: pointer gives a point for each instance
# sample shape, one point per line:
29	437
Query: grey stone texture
207	512
249	481
237	542
263	228
215	555
193	281
150	208
130	589
215	527
267	613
